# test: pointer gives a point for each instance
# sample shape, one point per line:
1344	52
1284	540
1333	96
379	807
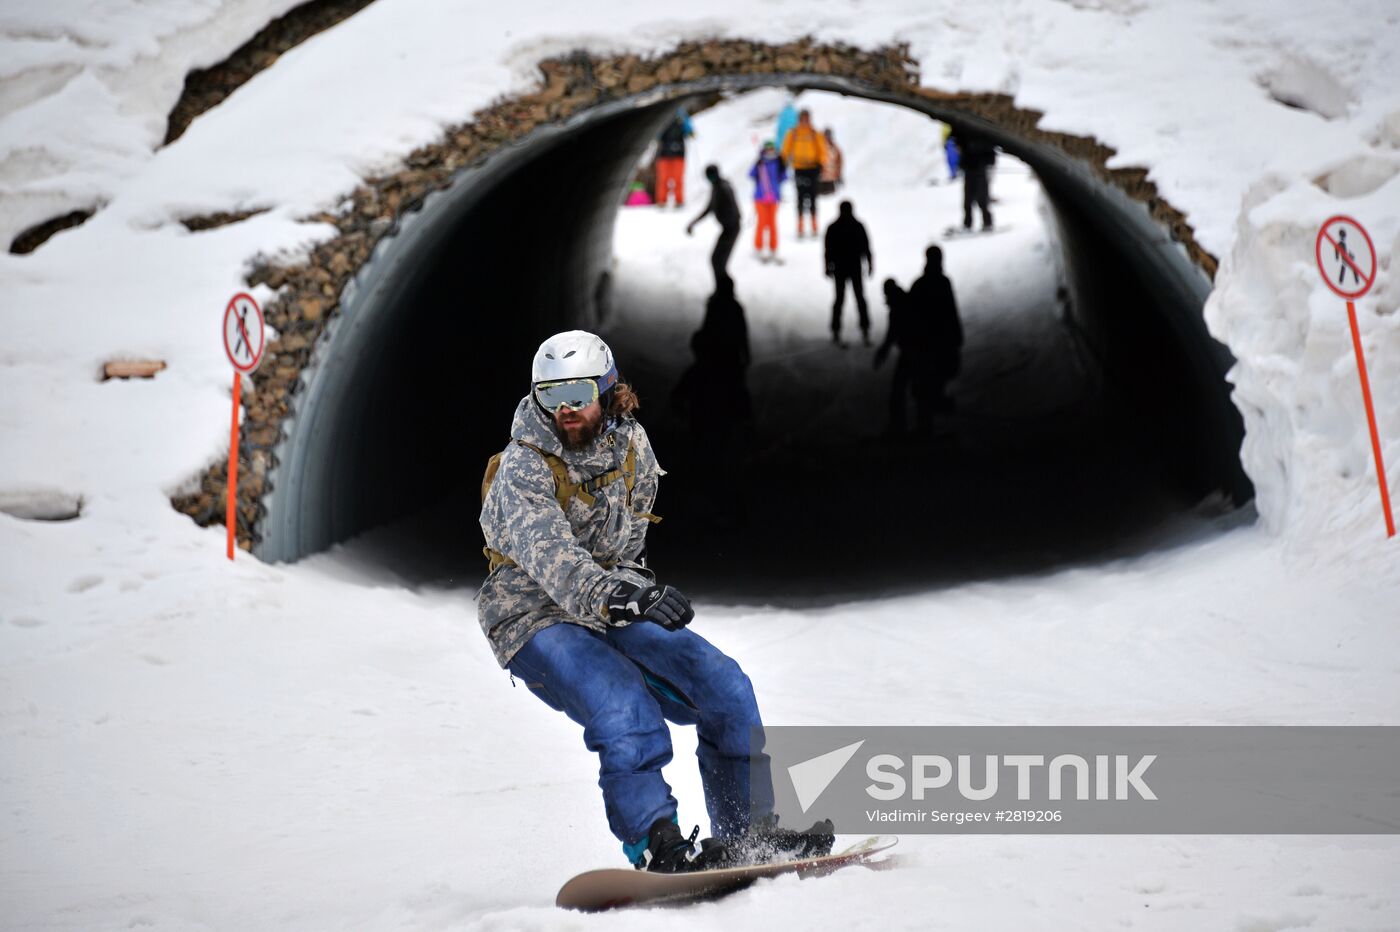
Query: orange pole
1371	420
231	519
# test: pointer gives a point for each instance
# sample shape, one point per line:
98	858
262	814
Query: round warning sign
1346	257
244	333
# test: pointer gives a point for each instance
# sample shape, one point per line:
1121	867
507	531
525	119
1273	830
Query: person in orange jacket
804	151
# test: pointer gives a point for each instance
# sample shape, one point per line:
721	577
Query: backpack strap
629	473
563	488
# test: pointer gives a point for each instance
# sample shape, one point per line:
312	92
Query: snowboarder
976	156
804	151
910	333
768	174
931	296
847	256
571	609
726	210
670	159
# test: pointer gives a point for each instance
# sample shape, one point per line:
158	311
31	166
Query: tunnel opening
411	388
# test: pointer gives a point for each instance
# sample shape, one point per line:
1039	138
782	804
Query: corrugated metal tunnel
411	388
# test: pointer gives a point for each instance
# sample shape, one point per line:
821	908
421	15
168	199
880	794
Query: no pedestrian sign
244	333
1346	257
245	337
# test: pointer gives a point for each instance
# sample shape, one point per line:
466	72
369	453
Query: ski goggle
571	393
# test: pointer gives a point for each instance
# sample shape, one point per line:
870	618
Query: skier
571	609
726	210
804	151
950	152
847	250
670	159
931	296
976	157
910	333
768	174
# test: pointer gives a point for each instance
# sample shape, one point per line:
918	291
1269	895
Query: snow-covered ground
188	744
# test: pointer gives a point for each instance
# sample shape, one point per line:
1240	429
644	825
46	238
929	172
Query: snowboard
613	888
964	233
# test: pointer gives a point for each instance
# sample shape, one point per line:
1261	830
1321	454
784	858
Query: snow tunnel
412	387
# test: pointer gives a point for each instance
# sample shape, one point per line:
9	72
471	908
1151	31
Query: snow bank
85	89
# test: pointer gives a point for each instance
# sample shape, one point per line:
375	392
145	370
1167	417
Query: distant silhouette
976	155
768	174
670	159
712	396
804	151
910	332
931	296
847	250
726	210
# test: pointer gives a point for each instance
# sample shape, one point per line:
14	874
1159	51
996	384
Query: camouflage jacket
567	563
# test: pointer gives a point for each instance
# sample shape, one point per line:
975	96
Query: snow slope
186	744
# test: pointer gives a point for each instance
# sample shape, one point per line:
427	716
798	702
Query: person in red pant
768	174
670	160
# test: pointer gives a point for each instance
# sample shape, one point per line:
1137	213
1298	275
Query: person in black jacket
932	295
847	249
726	210
909	332
976	155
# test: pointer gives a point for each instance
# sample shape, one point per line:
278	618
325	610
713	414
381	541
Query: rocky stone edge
309	292
206	88
202	222
32	238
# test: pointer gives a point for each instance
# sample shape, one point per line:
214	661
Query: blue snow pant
621	687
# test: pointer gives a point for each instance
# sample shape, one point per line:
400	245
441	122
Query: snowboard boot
670	852
766	842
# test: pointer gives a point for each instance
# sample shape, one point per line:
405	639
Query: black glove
662	605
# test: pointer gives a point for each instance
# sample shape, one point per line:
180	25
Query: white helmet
576	358
574	354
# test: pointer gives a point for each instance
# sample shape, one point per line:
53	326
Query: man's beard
580	437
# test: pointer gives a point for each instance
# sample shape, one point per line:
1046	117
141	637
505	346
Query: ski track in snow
189	745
